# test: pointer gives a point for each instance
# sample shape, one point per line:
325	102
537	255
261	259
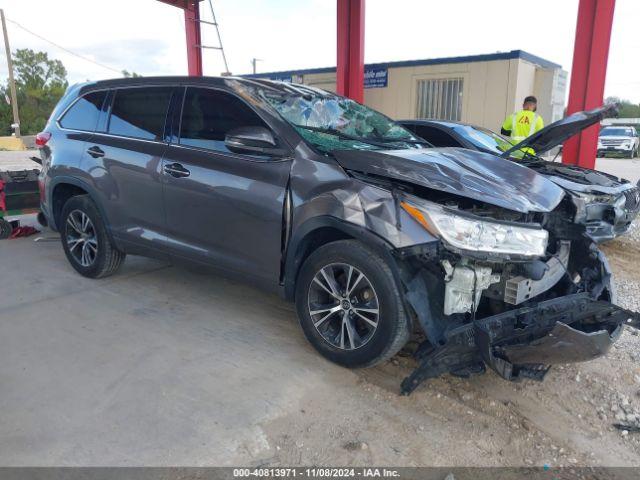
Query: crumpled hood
462	172
577	178
558	132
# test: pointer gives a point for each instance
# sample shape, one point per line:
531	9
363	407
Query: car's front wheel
349	305
85	240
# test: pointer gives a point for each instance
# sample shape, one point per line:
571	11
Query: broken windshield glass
330	122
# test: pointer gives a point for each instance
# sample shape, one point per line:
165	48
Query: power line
65	49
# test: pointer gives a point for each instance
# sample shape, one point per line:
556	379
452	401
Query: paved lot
624	168
159	365
18	160
154	365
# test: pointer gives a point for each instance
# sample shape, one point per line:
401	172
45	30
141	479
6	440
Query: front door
221	207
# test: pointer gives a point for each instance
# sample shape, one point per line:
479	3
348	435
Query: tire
6	229
351	341
42	220
102	258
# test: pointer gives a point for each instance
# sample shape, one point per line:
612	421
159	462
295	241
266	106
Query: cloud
142	55
148	36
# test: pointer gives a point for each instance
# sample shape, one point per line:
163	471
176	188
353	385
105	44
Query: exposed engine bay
509	279
516	315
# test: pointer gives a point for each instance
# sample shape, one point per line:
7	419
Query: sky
147	36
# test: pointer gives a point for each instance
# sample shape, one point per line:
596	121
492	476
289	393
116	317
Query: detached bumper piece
525	342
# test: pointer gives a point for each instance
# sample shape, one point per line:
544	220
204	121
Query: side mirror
252	140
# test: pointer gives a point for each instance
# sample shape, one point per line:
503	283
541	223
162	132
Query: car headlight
478	235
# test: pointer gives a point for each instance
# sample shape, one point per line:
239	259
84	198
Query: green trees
40	82
627	109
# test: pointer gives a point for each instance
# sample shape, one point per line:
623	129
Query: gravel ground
567	420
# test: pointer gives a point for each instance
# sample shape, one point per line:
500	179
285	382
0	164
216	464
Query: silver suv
619	139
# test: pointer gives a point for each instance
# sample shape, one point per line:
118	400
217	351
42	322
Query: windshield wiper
332	131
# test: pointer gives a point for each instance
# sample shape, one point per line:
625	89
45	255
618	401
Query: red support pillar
350	54
588	74
194	40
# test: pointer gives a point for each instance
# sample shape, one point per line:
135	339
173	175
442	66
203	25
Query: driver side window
208	115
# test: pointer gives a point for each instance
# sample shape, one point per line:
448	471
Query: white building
478	89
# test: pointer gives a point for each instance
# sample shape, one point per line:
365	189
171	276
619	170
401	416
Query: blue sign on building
285	78
376	77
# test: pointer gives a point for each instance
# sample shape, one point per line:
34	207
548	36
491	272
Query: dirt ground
565	420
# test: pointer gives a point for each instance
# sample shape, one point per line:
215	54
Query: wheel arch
62	189
320	231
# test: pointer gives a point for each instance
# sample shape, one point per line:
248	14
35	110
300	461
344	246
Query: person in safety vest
524	123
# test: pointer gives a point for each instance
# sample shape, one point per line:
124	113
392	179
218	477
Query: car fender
294	255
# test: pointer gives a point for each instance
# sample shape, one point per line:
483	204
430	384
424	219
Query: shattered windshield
330	122
486	140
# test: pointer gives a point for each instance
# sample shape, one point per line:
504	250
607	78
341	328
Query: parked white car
618	139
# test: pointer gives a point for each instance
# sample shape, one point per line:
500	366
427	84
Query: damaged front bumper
525	342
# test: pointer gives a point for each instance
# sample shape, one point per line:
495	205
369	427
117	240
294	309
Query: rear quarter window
84	113
140	112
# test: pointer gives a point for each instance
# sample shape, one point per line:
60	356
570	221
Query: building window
440	98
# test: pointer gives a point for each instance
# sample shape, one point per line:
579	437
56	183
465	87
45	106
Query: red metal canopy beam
192	28
590	56
350	54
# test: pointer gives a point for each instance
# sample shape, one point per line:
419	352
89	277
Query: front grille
632	199
611	142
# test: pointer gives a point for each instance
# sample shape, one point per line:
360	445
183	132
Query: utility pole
254	62
12	82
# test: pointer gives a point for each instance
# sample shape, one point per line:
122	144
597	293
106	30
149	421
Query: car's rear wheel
349	305
85	240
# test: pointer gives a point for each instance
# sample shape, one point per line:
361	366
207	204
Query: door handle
96	152
176	170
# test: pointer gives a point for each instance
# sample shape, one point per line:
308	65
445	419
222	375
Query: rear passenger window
208	115
140	112
83	114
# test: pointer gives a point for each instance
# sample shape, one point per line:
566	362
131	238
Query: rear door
76	125
124	159
225	208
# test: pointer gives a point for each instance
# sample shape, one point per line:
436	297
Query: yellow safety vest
523	124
